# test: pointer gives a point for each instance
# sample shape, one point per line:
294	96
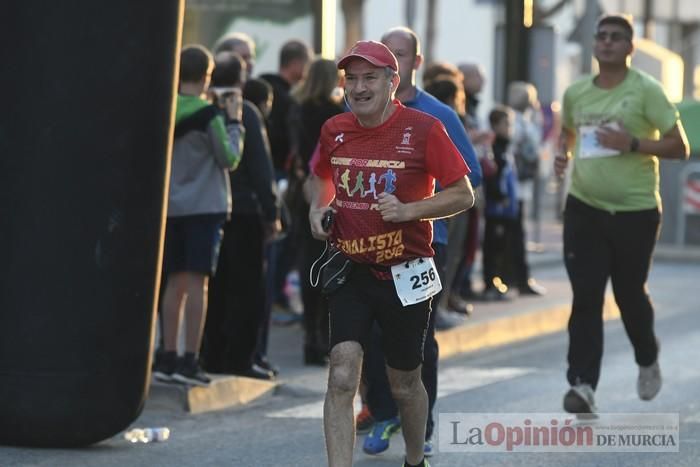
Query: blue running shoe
428	448
377	441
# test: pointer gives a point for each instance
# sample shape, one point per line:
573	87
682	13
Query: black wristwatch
634	144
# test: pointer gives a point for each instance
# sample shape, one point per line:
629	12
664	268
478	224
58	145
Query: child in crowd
206	147
501	206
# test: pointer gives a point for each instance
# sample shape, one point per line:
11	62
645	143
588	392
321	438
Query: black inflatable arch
85	130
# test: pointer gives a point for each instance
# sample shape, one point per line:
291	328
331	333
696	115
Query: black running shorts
362	300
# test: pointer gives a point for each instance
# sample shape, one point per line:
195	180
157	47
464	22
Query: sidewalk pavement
492	324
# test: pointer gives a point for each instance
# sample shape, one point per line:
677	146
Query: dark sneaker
266	365
189	372
579	399
445	319
165	366
424	464
364	420
377	441
256	372
649	381
493	294
456	304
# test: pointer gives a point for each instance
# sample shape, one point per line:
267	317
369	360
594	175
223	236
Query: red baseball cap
375	53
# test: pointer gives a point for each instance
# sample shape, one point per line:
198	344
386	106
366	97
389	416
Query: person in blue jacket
405	45
501	207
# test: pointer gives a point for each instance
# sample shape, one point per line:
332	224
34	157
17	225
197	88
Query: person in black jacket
316	105
237	294
259	92
293	62
294	57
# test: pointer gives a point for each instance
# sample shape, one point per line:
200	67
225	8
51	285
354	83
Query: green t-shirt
188	106
628	181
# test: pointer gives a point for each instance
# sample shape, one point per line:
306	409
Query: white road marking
459	379
450	381
311	410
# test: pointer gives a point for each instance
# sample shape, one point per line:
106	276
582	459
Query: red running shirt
403	156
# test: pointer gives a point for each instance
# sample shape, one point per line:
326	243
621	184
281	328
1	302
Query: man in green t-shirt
615	126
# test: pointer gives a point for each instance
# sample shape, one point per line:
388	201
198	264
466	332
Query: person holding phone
230	101
207	146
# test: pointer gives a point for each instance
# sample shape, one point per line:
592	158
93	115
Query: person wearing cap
401	153
616	126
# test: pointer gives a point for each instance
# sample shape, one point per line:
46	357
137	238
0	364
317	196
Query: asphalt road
528	377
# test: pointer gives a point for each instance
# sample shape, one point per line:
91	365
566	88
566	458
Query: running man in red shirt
397	153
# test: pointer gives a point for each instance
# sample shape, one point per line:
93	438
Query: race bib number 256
416	280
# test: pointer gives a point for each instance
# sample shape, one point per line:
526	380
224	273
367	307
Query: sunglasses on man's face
614	36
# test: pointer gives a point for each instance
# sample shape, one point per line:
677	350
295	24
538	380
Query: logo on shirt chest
407	136
406	146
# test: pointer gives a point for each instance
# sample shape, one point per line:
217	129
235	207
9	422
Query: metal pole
588	23
430	29
410	13
516	44
648	19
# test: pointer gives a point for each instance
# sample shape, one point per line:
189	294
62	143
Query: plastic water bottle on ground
147	435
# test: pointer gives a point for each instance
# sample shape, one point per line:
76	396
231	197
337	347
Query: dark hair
321	79
498	113
228	70
618	20
294	50
443	90
442	70
195	61
257	91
